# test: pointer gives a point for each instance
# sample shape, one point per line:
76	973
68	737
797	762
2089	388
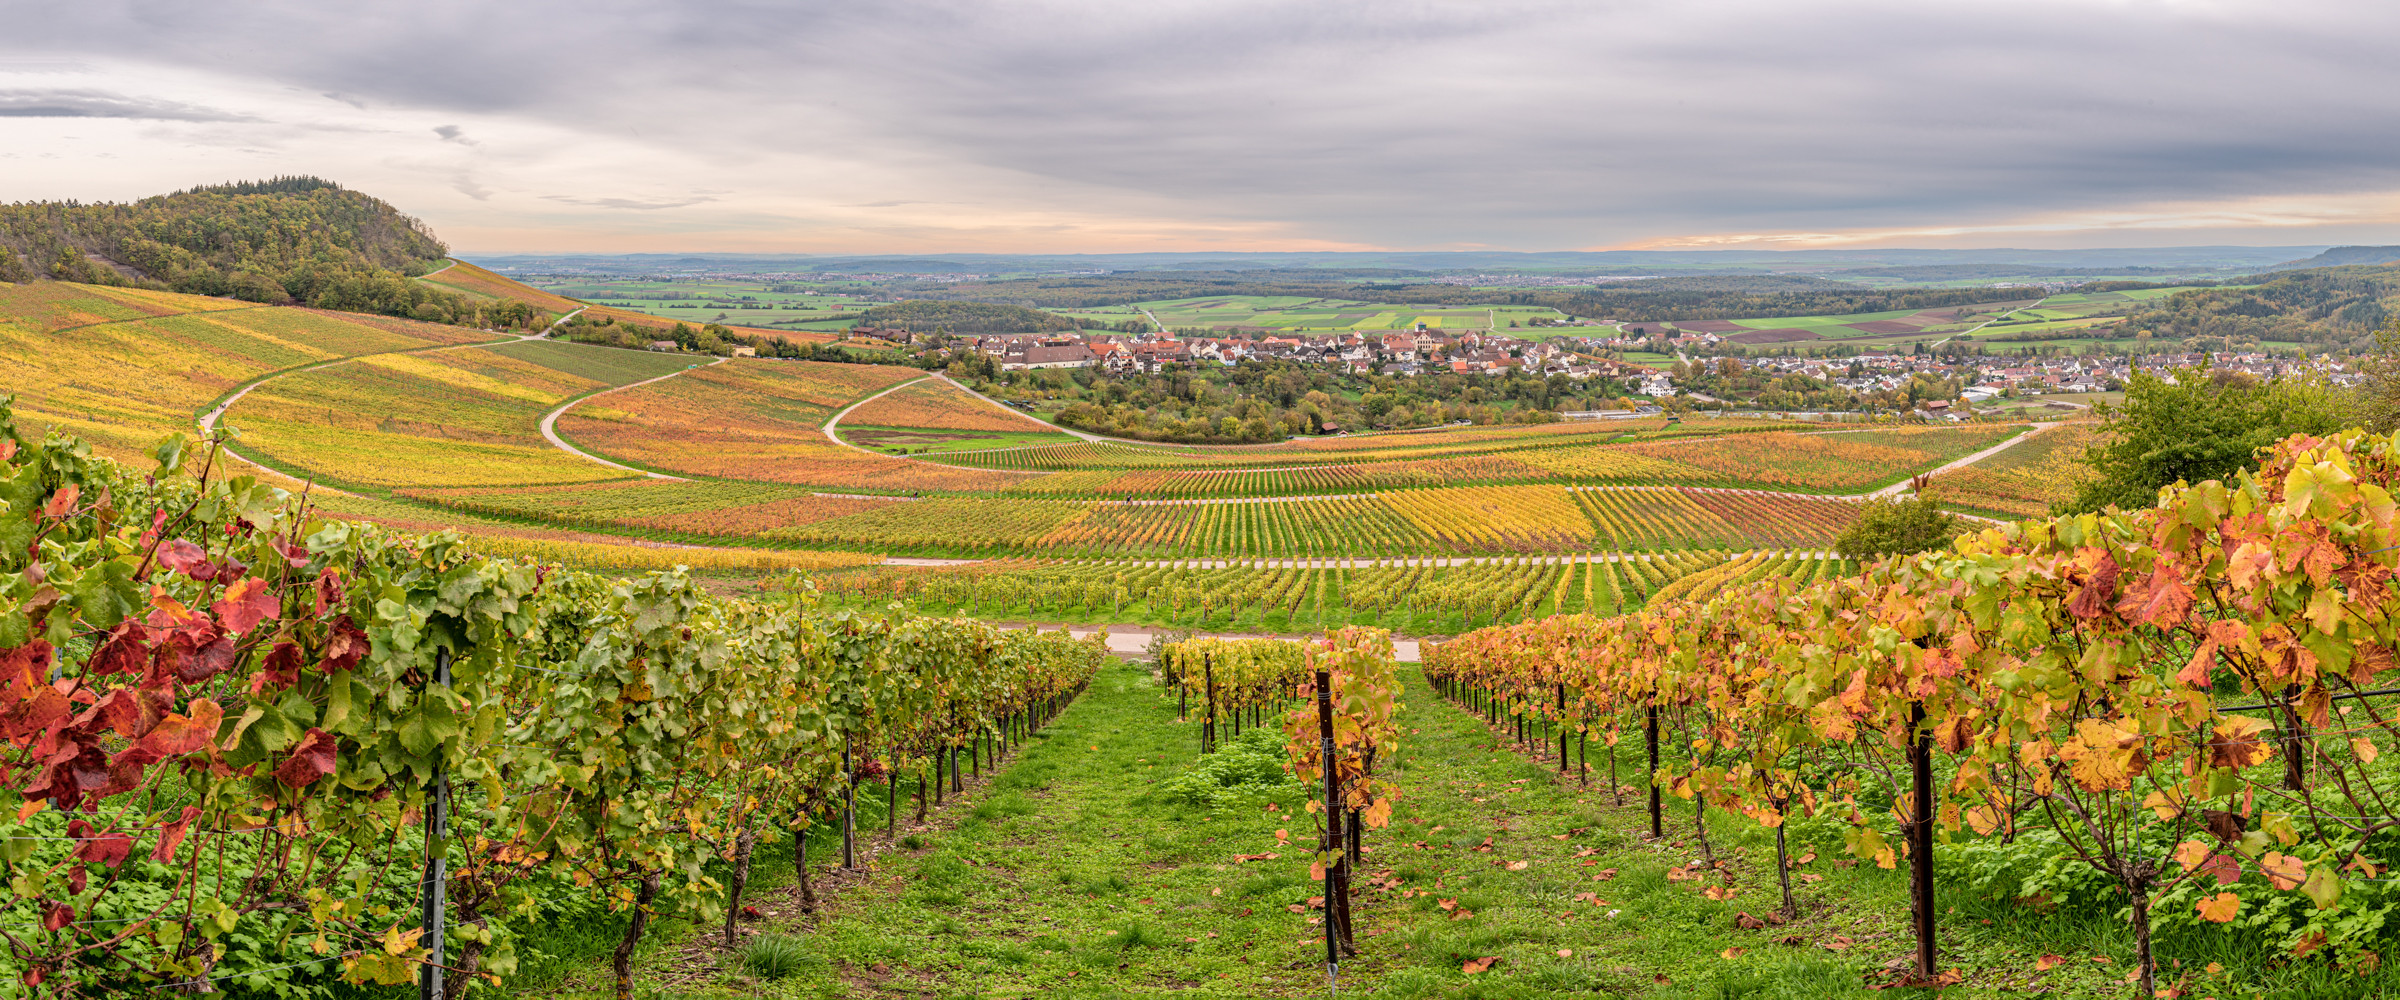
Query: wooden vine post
430	892
1208	725
1650	735
1920	835
1562	727
849	806
1332	844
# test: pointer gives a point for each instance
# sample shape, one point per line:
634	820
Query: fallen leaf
1462	914
1747	922
1566	953
1476	965
1518	866
1732	953
1448	904
1836	943
2047	962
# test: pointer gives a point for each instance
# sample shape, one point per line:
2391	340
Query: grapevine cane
437	834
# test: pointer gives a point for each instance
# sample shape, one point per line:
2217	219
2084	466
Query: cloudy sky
906	126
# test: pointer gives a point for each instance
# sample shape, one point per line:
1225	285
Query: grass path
1072	874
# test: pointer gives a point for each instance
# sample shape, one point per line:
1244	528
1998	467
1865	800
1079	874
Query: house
662	345
745	352
1069	356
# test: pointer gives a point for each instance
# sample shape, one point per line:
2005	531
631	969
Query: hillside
2319	305
124	367
2338	256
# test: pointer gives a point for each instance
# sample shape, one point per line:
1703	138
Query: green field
742	303
1295	314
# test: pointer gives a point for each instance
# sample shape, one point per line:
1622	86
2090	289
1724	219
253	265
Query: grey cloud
452	133
29	103
636	204
1440	122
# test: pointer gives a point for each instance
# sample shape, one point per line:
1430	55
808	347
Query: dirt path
549	424
833	422
1896	488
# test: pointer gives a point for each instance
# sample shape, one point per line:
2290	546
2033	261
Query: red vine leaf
186	558
105	849
177	735
280	670
246	603
314	758
124	653
345	645
171	835
208	661
2099	591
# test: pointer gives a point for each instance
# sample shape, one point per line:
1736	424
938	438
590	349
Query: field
1296	314
2048	319
734	303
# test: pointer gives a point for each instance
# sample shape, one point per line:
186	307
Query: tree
1888	526
2200	425
2379	397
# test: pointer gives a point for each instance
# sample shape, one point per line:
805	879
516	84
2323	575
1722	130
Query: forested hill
289	240
2345	255
966	317
2318	305
247	239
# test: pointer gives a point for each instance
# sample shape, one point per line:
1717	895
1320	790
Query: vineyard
758	421
1410	523
120	367
293	724
466	417
2187	707
1414	598
936	404
2023	481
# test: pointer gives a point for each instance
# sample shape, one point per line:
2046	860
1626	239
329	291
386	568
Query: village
1867	372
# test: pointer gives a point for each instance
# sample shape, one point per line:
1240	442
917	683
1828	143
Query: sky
911	126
